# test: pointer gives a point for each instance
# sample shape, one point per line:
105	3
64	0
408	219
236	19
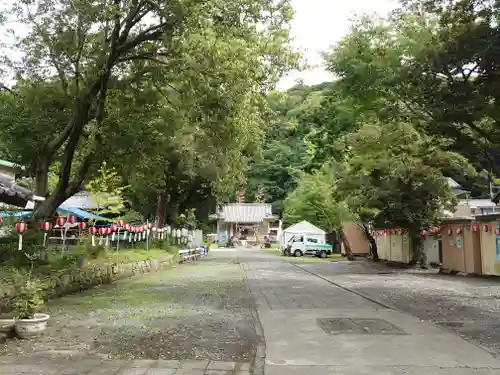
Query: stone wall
79	279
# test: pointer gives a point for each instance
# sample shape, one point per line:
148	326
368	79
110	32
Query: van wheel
297	253
323	254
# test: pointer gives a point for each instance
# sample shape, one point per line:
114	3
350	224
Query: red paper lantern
120	223
61	221
127	227
21	227
422	233
497	231
114	228
474	228
46	226
102	231
459	230
486	228
82	225
92	230
150	225
450	232
72	219
108	230
143	228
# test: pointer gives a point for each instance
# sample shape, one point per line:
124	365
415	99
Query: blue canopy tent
77	212
80	214
16	213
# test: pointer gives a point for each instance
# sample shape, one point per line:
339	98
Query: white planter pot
7	325
26	328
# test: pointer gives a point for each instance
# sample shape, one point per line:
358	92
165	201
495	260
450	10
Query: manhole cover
336	326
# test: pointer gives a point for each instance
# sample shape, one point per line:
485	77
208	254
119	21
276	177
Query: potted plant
27	303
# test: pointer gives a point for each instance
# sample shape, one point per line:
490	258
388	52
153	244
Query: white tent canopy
304	227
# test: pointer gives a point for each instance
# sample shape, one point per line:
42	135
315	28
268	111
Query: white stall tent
304	227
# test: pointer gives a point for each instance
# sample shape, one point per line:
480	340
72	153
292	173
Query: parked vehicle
301	244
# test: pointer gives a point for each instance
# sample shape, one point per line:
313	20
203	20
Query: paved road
314	327
285	316
193	319
469	306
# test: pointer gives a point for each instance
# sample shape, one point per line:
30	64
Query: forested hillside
416	101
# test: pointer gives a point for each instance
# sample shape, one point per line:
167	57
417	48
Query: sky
318	25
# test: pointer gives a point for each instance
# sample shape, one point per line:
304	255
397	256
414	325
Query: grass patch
304	259
55	264
131	255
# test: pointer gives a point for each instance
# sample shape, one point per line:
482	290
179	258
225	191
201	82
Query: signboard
498	247
459	242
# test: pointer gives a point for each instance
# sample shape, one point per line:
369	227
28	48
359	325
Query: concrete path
314	327
194	319
95	366
304	325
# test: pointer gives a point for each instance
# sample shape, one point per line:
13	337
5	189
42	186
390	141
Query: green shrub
32	245
28	299
174	250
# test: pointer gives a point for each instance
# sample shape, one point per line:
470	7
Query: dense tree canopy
178	99
413	103
171	94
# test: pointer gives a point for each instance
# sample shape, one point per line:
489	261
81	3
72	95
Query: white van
302	244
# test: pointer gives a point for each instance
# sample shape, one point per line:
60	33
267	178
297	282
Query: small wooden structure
394	245
488	227
248	221
461	245
356	237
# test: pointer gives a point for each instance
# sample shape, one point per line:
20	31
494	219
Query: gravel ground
193	311
466	305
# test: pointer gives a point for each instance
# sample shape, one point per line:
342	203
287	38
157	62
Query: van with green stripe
301	244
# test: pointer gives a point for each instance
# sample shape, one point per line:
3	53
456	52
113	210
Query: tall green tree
392	177
95	50
317	200
429	65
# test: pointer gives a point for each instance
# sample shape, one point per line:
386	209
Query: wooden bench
189	254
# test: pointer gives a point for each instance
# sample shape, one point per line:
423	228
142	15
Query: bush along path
198	314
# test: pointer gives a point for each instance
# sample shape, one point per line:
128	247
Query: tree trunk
48	207
161	209
347	245
42	176
373	243
172	212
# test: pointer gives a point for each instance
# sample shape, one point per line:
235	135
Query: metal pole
147	235
118	241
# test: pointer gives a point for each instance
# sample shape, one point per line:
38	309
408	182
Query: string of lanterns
130	232
435	230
